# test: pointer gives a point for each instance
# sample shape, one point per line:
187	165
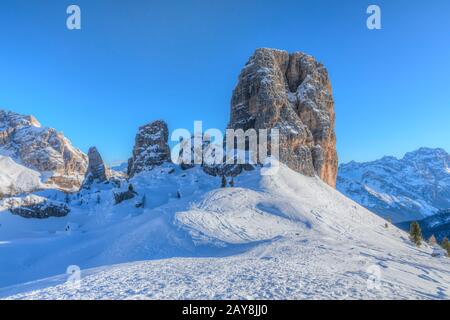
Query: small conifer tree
446	245
415	234
224	182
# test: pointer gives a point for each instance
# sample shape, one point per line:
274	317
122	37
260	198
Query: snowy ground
17	178
282	236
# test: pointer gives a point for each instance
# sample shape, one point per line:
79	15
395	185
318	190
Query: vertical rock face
151	148
97	170
42	149
290	92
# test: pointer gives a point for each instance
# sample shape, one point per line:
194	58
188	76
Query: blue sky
136	61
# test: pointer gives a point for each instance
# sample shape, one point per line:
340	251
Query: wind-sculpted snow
281	236
235	216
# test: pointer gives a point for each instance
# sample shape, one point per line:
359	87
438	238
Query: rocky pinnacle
291	92
97	169
151	147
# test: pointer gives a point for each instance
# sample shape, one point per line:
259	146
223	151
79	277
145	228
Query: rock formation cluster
275	90
33	206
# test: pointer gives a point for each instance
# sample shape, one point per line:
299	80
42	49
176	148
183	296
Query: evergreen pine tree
232	183
446	245
389	221
415	234
224	182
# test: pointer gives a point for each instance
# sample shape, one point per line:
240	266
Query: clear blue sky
136	61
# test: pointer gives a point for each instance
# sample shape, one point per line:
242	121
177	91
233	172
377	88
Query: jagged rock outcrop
97	170
151	148
227	170
42	149
33	206
209	163
120	197
290	92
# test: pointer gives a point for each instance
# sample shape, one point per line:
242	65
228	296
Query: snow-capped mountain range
277	229
412	188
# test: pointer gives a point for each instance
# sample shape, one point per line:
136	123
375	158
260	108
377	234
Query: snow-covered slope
283	236
15	178
414	187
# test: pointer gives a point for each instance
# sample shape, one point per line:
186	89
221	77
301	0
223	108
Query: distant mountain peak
427	152
413	187
13	119
23	139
